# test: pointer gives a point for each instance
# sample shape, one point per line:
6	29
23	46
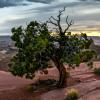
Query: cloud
42	1
7	3
89	0
85	13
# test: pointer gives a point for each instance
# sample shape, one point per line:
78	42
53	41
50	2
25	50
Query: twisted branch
57	22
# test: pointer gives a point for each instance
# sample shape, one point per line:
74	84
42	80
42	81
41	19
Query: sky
85	13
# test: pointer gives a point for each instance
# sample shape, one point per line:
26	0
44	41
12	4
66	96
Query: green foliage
33	52
86	55
36	47
90	64
76	49
96	71
72	94
97	57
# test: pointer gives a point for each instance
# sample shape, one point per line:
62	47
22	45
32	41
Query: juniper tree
37	46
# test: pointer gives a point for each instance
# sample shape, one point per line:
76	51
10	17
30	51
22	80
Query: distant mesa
7	45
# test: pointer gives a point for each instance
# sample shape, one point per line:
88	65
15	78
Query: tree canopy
37	46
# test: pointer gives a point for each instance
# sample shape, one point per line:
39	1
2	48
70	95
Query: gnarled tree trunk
62	74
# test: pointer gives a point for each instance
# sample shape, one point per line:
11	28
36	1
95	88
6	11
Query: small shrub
90	64
30	88
96	71
72	94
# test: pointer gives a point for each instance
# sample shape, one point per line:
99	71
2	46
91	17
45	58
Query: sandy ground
12	88
10	82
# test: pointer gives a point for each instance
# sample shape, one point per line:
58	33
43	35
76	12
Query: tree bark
62	77
62	82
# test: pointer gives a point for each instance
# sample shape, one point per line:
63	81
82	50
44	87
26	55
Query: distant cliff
96	44
6	43
96	48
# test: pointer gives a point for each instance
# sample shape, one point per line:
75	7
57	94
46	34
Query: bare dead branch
66	29
68	24
50	21
67	20
57	22
61	11
54	18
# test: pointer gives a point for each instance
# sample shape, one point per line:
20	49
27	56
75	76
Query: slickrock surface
11	87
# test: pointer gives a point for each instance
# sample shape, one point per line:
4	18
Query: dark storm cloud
55	7
42	1
7	3
89	0
67	5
